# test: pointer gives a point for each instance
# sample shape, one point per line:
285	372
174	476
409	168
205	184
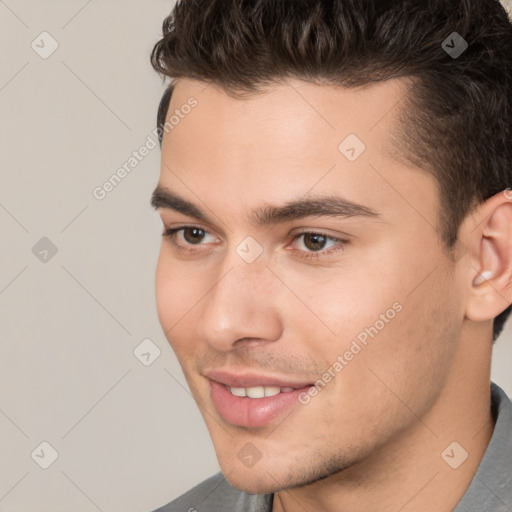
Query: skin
372	438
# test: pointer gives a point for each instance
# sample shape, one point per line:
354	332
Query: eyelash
171	233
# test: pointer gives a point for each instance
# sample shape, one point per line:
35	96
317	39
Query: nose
241	307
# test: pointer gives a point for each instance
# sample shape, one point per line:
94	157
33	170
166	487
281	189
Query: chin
264	477
271	478
253	482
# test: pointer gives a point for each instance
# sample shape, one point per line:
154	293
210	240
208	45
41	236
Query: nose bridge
240	304
245	275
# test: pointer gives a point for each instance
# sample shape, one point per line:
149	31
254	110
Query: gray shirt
489	491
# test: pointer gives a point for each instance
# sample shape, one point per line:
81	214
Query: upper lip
248	380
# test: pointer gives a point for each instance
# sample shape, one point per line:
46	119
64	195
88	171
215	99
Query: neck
417	470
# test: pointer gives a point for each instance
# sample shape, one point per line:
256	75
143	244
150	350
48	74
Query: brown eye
187	236
318	245
314	241
193	235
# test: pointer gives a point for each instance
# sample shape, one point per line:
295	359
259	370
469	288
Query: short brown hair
457	124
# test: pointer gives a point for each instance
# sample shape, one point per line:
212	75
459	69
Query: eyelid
324	232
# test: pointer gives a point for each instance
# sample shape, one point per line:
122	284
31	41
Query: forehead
280	118
337	106
288	140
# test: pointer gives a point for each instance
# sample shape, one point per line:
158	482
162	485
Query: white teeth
256	392
271	391
259	391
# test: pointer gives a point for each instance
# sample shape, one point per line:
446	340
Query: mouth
253	401
259	391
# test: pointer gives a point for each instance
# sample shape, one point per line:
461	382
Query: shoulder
491	487
215	494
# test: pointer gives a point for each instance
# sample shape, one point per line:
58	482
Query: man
337	252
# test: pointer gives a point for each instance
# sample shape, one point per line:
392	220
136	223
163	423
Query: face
303	286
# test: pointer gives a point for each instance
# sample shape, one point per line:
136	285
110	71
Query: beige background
128	436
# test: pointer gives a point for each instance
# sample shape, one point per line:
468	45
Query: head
342	168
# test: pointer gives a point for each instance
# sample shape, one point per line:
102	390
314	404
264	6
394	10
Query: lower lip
252	412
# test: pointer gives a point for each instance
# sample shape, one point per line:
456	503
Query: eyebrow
318	206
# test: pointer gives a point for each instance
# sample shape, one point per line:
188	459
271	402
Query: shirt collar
491	487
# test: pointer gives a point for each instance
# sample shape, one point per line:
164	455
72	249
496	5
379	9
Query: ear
490	248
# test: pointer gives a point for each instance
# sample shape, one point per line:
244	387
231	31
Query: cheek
164	288
348	297
391	324
405	362
341	305
176	294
